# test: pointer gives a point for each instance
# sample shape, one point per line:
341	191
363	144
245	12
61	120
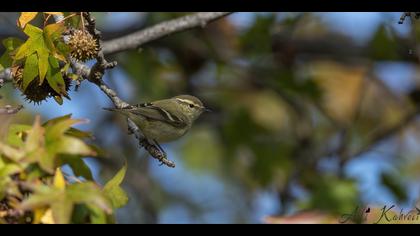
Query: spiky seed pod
17	74
83	46
34	92
67	82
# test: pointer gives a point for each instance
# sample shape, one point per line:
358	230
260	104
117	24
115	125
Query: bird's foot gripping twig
153	150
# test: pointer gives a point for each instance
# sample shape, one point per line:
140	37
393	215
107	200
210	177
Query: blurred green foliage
290	95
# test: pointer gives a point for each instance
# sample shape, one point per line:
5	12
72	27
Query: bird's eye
191	105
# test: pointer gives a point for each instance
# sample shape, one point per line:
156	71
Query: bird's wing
153	112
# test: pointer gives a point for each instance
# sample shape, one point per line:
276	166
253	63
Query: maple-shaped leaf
35	44
62	201
53	40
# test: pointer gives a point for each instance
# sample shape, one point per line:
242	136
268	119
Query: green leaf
73	146
79	133
11	152
53	32
30	71
15	134
43	65
43	196
56	120
54	77
52	36
33	44
89	193
114	192
9	169
78	166
35	138
45	159
54	132
62	209
97	215
10	44
63	48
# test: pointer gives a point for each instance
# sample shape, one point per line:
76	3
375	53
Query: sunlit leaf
16	133
73	146
114	192
59	181
35	138
52	36
55	78
54	13
59	128
9	169
46	218
11	152
35	43
25	18
88	193
62	210
31	70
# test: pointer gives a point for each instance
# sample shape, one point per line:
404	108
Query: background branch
9	110
135	40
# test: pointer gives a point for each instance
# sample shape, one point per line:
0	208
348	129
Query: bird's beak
206	109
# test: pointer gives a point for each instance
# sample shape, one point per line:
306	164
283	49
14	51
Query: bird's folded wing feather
152	112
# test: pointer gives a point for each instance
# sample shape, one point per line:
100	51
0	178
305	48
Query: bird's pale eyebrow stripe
186	101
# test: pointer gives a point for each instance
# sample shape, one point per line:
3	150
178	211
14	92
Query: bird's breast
163	132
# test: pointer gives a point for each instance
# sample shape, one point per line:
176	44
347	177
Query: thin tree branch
5	76
95	74
387	133
9	110
136	39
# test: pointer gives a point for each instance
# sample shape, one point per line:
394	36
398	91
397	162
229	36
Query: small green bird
164	120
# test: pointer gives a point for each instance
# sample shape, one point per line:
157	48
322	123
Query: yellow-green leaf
73	146
114	192
11	43
30	71
52	36
89	193
25	18
54	13
78	166
57	130
15	134
43	65
33	44
11	152
54	77
62	210
59	181
35	138
9	169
